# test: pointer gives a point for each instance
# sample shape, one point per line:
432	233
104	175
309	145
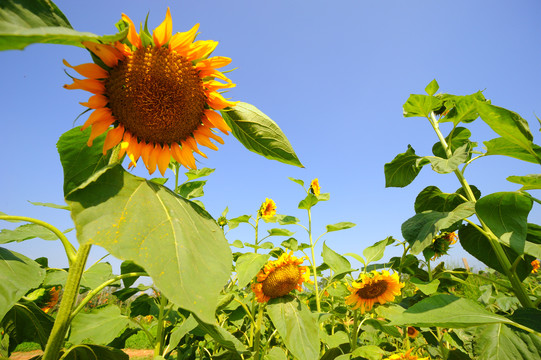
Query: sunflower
267	209
441	243
280	277
160	93
412	332
535	265
51	297
405	356
374	287
314	187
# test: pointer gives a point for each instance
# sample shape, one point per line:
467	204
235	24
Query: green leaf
26	323
336	262
422	228
160	181
26	232
375	252
298	181
502	146
144	305
530	182
462	108
247	267
222	336
192	189
54	206
78	159
258	133
93	352
96	275
457	137
506	214
233	223
447	311
198	173
479	247
528	317
340	226
55	277
280	232
508	125
275	353
18	274
127	267
296	325
432	87
356	257
167	235
421	105
500	342
237	244
432	198
287	220
99	326
403	169
291	244
25	22
370	352
444	165
309	201
426	288
180	331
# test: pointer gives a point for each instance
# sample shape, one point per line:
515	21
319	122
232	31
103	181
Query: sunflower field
155	98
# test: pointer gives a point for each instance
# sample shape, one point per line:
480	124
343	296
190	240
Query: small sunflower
51	297
441	244
412	332
279	277
535	265
405	356
160	93
267	209
373	287
314	187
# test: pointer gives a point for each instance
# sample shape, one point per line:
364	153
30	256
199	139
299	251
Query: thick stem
312	246
160	335
355	330
257	341
62	322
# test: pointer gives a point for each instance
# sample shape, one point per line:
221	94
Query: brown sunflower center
281	281
156	95
373	290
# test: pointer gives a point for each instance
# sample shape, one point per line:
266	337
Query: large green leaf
502	146
179	245
432	198
25	22
375	252
506	214
93	352
336	262
508	125
500	342
403	169
247	267
447	311
296	325
80	161
100	326
475	243
421	105
26	232
18	274
26	323
447	165
422	228
457	137
222	336
258	133
530	182
462	108
96	275
130	267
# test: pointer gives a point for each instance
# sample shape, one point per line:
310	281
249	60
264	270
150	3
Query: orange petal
132	37
90	85
192	144
203	140
217	121
203	130
201	49
162	33
114	136
164	157
213	73
90	70
217	101
213	85
123	48
107	53
183	156
96	101
135	149
213	63
181	41
101	114
153	159
98	128
126	139
145	152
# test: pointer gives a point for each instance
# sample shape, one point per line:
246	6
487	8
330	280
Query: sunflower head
159	93
279	277
267	209
51	299
442	243
314	187
373	287
412	332
535	265
405	356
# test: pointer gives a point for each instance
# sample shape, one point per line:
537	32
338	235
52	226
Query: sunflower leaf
258	133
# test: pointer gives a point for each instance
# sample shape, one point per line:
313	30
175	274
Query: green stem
62	322
160	334
518	289
505	286
257	341
355	326
312	246
429	268
68	247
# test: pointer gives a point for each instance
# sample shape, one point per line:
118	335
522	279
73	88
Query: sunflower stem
257	341
160	334
355	330
63	318
312	245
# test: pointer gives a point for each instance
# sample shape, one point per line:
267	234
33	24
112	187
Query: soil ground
133	354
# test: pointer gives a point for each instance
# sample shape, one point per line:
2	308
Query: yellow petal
107	53
90	70
213	63
201	49
132	37
180	42
217	101
162	33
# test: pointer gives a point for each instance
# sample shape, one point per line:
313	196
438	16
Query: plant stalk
312	245
160	335
257	341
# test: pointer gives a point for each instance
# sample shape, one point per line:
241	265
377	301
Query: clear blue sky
333	75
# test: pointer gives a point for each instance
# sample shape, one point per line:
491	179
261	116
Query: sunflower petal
203	130
164	157
192	144
203	140
145	153
180	42
162	33
96	101
114	136
153	159
132	37
201	49
217	121
101	114
90	70
98	128
213	63
107	53
217	101
90	85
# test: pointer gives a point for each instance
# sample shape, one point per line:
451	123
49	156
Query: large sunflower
374	287
279	277
158	92
405	356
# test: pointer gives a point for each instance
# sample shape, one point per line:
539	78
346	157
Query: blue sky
332	75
